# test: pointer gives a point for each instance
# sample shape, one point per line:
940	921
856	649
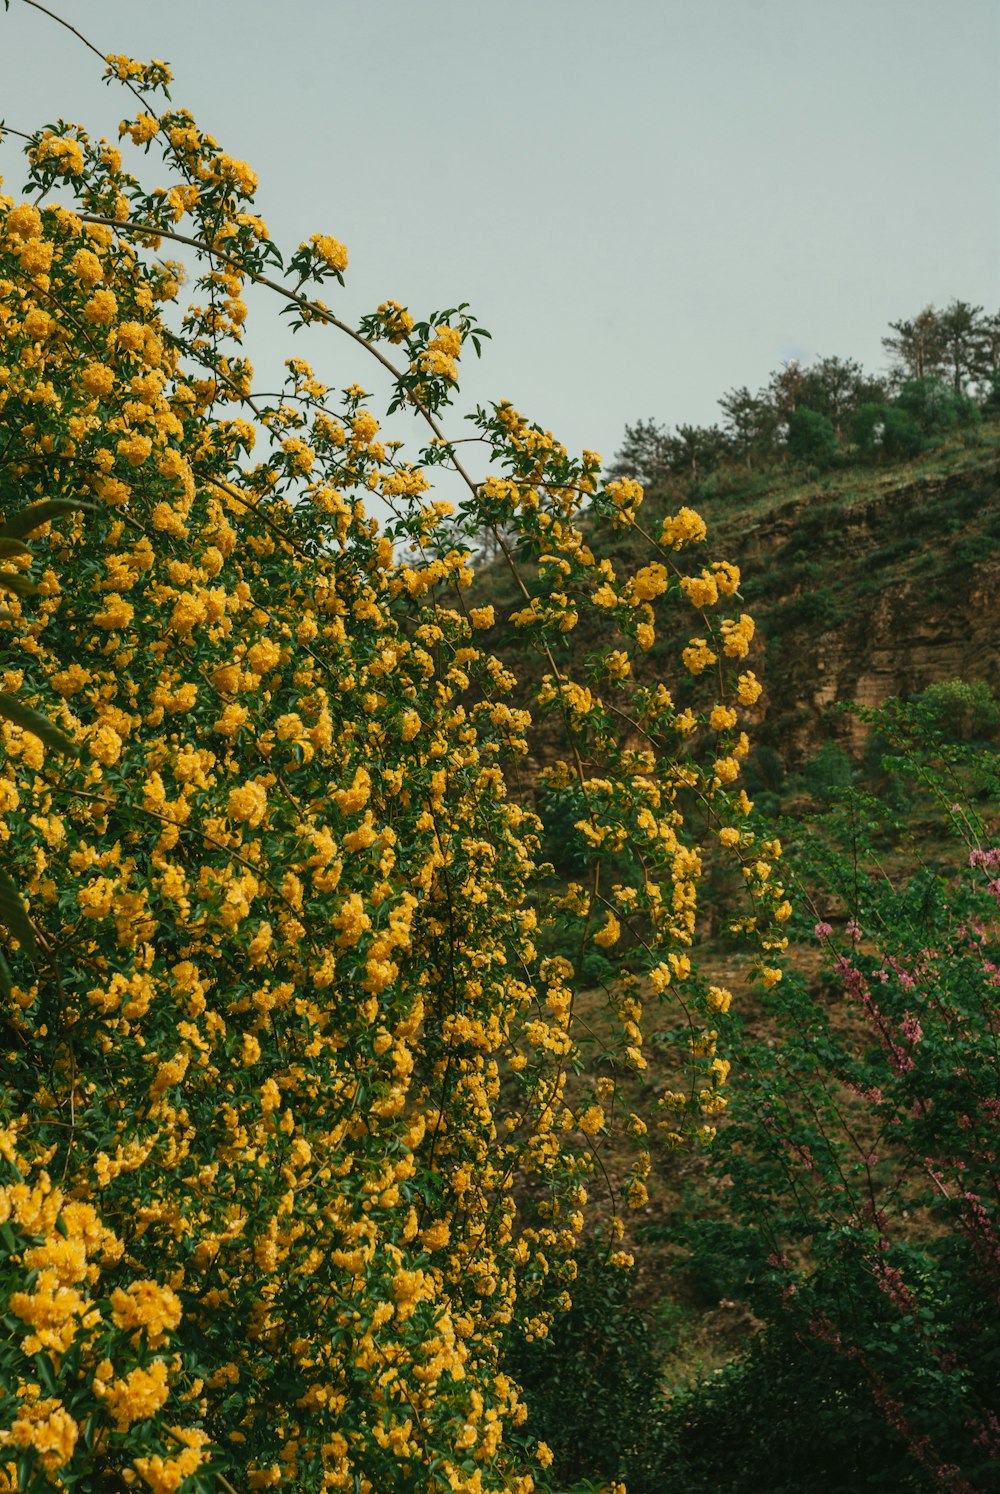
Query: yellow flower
96	899
97	378
398	322
738	635
38	324
592	1120
448	339
135	449
24	221
87	268
101	309
139	1395
727	577
718	999
686	527
264	656
250	1051
610	933
35	257
350	801
144	129
331	251
105	746
116	614
698	656
48	1428
148	1305
722	718
66	153
248	805
647	584
701	591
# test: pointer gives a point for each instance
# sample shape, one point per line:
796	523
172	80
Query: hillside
864	584
865	589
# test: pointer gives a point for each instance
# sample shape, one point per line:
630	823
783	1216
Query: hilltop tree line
943	374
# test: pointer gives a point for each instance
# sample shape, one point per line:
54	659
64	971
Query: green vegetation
845	1219
348	1007
943	377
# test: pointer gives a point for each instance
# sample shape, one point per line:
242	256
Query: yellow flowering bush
290	1148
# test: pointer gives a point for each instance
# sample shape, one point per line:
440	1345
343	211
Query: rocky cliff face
864	586
859	601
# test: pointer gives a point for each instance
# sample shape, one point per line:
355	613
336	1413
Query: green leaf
6	980
39	726
14	581
13	547
37	514
13	914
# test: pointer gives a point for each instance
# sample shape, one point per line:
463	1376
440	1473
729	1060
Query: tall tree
962	328
989	347
697	447
751	422
785	388
917	349
645	453
837	387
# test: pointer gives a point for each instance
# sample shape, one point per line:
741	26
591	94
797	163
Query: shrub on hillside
902	436
593	1386
829	771
962	709
812	438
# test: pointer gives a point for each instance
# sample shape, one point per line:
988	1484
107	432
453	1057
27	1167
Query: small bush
931	404
829	771
868	427
820	606
902	437
963	710
765	769
812	438
593	1385
790	1416
562	844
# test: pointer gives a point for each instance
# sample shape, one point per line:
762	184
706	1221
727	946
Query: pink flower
911	1029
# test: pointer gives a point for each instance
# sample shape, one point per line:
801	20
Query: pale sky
646	201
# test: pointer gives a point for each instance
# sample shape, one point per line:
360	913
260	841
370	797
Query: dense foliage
864	1166
289	1149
